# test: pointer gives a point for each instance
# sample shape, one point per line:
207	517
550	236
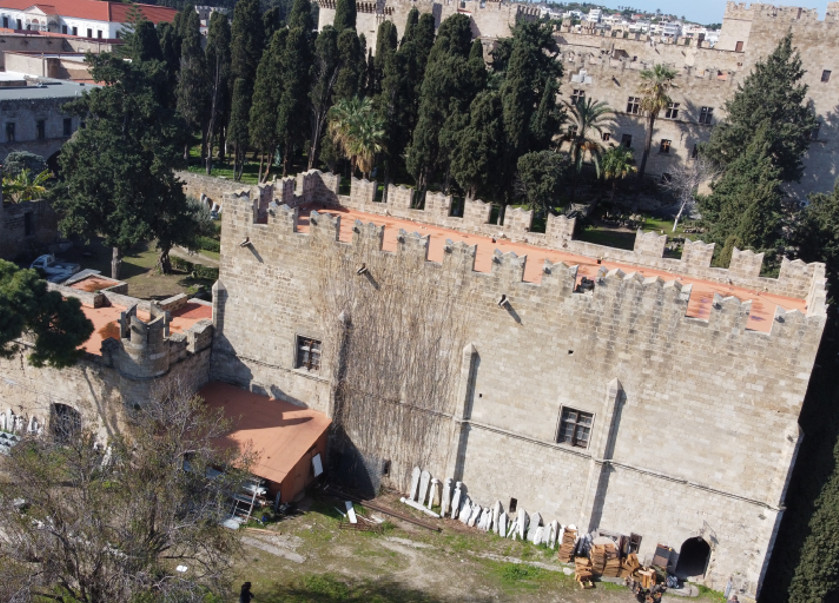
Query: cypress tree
246	46
266	99
217	53
351	56
326	65
192	91
345	15
386	43
294	109
479	145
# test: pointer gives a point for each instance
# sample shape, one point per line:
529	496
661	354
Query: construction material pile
605	557
566	547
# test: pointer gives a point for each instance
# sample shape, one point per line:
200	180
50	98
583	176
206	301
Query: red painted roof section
93	9
279	432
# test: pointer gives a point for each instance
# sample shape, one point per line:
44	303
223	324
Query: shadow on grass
328	588
610	238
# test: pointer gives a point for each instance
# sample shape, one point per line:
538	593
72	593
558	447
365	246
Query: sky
703	11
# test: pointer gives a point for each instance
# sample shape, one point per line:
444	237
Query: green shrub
209	244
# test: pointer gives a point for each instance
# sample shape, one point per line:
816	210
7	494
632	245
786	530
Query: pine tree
345	15
746	205
772	93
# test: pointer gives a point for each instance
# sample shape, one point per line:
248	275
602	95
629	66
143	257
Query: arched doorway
65	422
693	557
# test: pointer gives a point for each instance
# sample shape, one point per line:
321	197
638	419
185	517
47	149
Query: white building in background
594	15
82	18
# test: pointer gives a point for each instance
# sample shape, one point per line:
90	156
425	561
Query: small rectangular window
633	105
308	353
41	127
575	427
626	140
738	47
664	147
10	131
706	115
19	24
64	29
606	136
672	111
68	126
6	22
577	96
826	75
99	34
89	32
514	504
75	31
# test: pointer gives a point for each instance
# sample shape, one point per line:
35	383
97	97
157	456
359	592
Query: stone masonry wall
702	413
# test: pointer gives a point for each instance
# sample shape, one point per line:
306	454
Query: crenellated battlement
596	276
750	12
796	279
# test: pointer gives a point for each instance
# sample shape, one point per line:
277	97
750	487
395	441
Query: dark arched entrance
693	558
65	422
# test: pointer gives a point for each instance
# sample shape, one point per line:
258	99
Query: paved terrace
106	321
702	291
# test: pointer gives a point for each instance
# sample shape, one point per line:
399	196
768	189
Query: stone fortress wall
707	76
694	419
129	368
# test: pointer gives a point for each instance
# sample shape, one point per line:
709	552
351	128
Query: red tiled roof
279	432
93	9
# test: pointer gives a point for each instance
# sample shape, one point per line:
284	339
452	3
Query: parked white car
53	270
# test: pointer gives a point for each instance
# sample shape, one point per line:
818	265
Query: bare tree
684	184
84	522
397	331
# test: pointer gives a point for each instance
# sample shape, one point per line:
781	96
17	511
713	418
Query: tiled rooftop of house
702	291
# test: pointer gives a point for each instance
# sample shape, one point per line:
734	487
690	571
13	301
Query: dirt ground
309	557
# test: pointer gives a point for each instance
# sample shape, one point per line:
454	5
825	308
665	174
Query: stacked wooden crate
605	557
566	547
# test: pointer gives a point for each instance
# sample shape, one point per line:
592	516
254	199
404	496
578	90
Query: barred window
575	427
308	353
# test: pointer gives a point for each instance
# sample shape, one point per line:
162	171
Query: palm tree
654	89
588	120
358	130
618	162
23	187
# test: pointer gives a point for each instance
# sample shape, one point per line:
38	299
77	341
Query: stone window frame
706	115
41	129
672	111
633	105
569	413
305	359
665	145
578	95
